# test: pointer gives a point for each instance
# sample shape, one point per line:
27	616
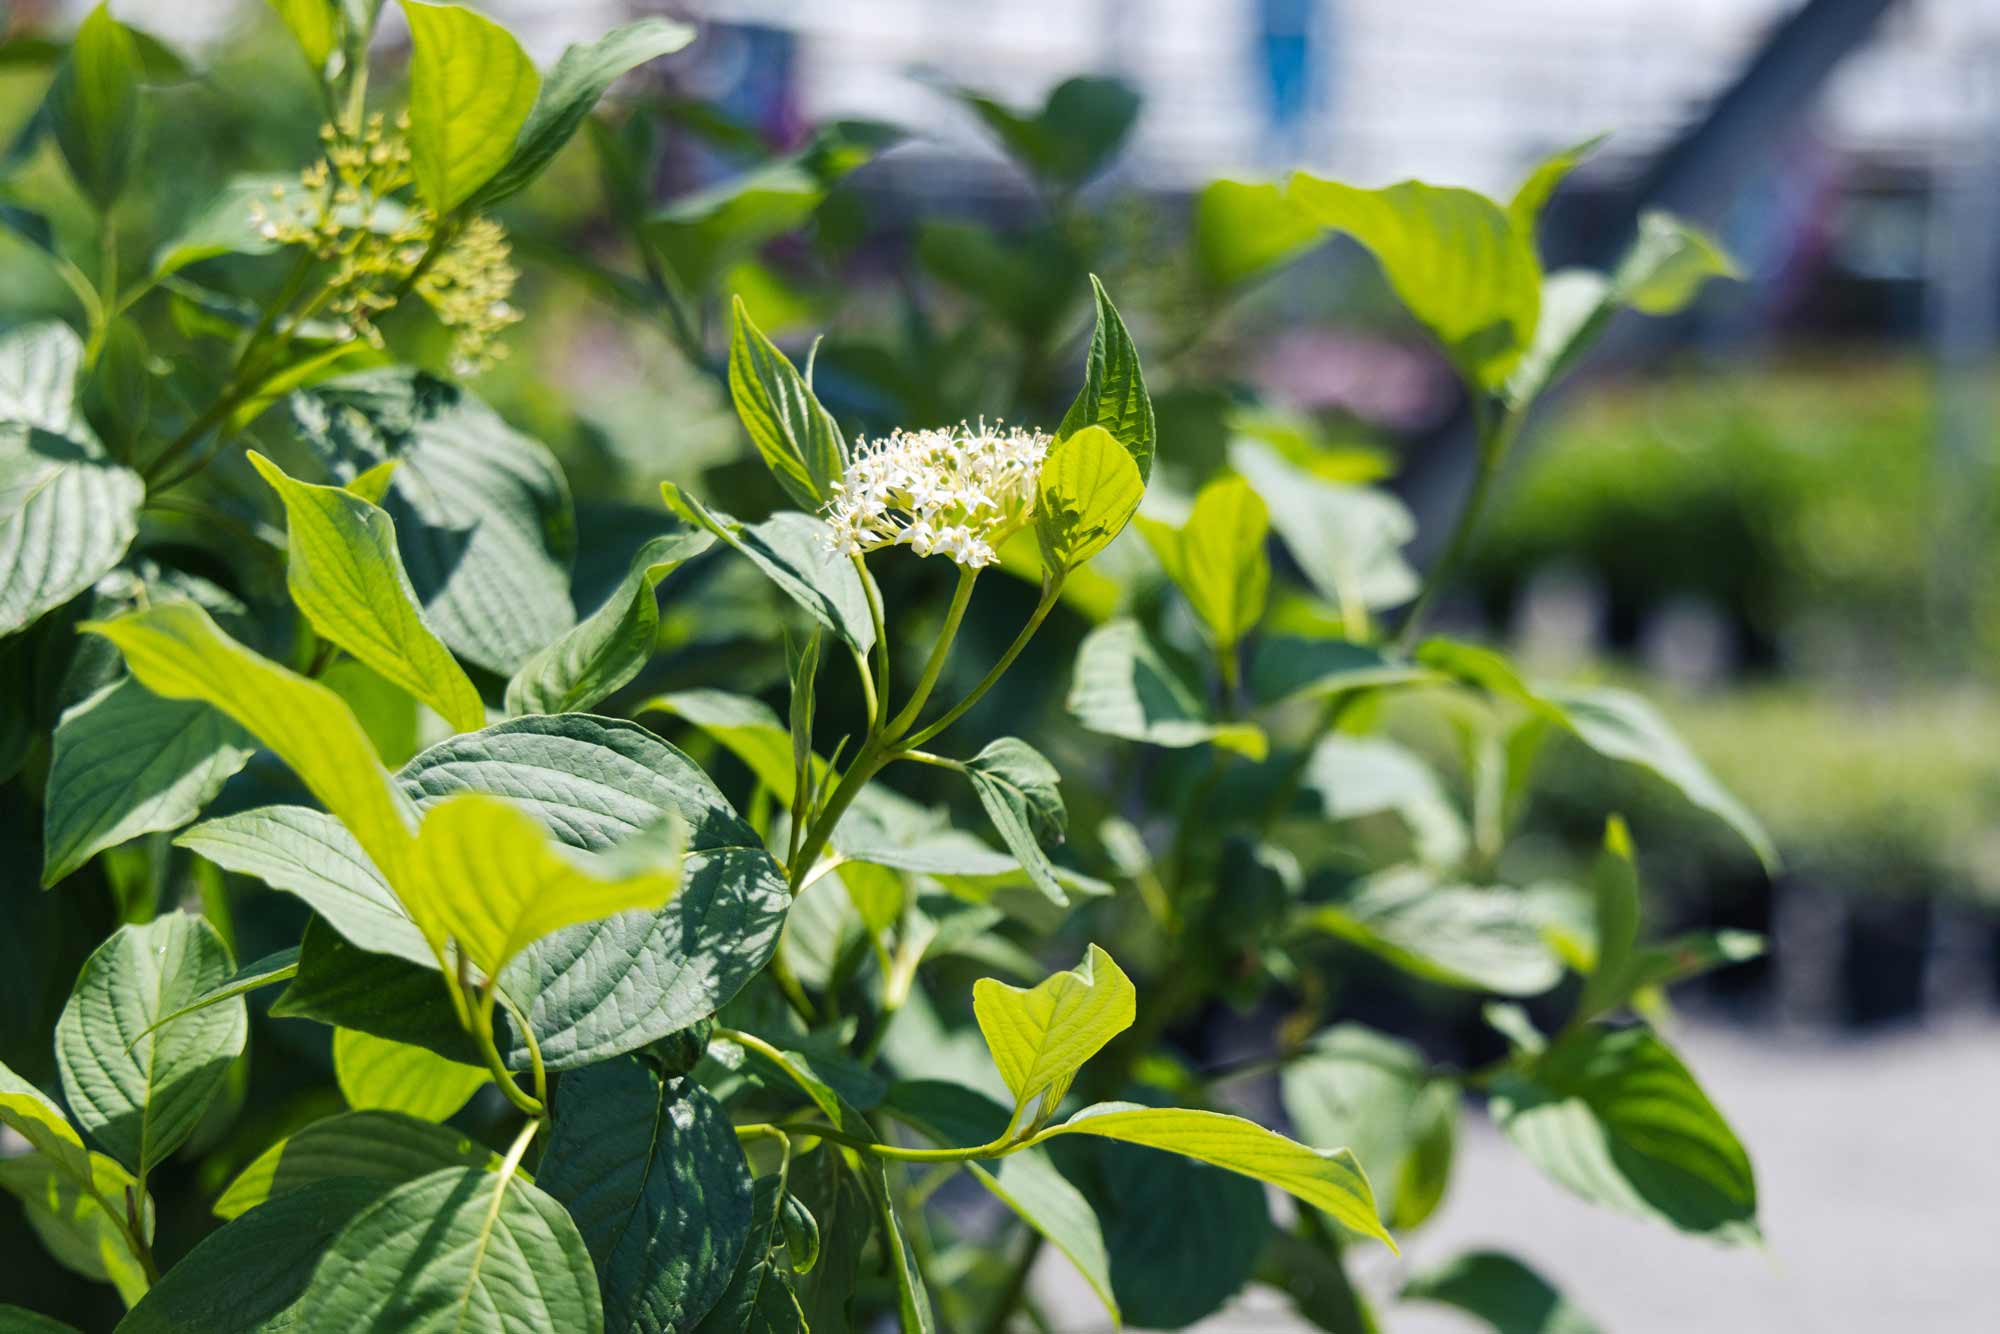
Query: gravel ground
1878	1164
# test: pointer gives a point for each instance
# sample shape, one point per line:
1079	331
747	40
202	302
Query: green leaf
800	443
1114	389
344	986
913	1298
1283	666
1017	786
1124	688
1502	1291
34	1116
250	1277
1217	558
67	514
1348	540
1088	491
20	1320
346	575
39	364
1330	1179
280	966
757	1295
482	513
486	875
143	1100
80	1219
1533	194
460	1249
1309	1271
1454	258
596	782
385	1148
793	552
573	87
611	645
1359	776
1375	1095
310	854
1667	265
1614	886
471	89
1243	231
1041	1036
175	650
1074	134
314	25
650	1170
128	763
94	105
1576	305
376	1074
1614	1116
746	727
1454	934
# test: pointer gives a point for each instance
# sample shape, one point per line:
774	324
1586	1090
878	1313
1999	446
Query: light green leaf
471	89
39	364
1243	231
1576	305
1114	389
79	1218
801	444
1455	259
94	105
1375	1095
1124	688
1041	1036
346	574
67	514
1357	776
1217	558
128	763
34	1116
579	79
175	650
1503	1292
460	1249
1348	540
1614	886
793	552
611	645
650	1170
1017	786
376	1074
1533	194
1614	1116
746	727
143	1100
1668	264
314	25
1088	491
1330	1179
1454	934
485	874
381	1147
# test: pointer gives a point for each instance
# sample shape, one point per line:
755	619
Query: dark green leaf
1501	1291
1074	134
94	105
385	1149
797	437
1017	786
345	986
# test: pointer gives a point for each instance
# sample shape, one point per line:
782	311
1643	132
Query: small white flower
958	492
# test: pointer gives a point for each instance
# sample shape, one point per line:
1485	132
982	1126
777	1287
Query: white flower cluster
959	491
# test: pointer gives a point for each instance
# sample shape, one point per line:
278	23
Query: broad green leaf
20	1320
461	1249
757	1292
1356	776
1454	258
376	1074
471	90
1667	265
67	514
1041	1036
1614	1116
94	105
143	1100
175	650
596	782
746	727
483	515
1124	688
1330	1179
486	875
314	25
250	1276
579	79
1614	886
1533	194
1072	136
1502	1291
1454	934
310	854
1017	787
128	763
1348	540
650	1170
1114	389
793	552
1309	1271
1243	231
346	574
611	645
1375	1095
1088	491
800	443
343	986
821	1180
383	1147
80	1219
1217	558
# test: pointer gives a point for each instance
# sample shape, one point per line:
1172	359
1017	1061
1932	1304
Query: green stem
1494	440
1050	590
868	761
879	695
961	597
482	1031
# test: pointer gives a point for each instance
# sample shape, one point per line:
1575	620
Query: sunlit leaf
471	89
1041	1036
